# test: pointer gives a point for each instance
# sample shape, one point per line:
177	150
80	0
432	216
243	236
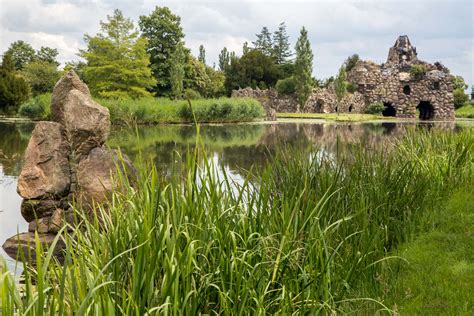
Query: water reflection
233	148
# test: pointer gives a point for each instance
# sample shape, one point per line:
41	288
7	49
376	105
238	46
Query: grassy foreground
438	278
343	117
303	236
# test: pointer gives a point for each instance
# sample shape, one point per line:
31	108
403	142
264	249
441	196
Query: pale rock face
95	175
46	171
86	122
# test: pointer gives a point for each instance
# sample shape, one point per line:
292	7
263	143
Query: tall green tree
22	53
303	67
47	54
202	54
117	64
41	75
177	71
164	33
224	59
340	83
14	90
263	42
281	45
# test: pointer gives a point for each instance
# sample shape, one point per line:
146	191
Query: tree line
125	60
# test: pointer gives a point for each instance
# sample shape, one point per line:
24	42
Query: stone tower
402	51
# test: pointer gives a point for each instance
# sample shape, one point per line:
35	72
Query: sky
441	30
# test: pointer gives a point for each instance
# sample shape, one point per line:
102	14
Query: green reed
306	235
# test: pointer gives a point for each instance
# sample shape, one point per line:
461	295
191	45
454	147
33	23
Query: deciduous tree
14	90
202	54
164	33
21	53
117	64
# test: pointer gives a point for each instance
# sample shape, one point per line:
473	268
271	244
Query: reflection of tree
13	141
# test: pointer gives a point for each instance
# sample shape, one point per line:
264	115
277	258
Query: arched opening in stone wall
407	90
389	110
336	109
319	105
426	110
350	108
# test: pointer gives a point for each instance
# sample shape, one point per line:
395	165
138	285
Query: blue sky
441	30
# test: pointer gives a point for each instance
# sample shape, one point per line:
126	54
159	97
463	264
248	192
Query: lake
233	147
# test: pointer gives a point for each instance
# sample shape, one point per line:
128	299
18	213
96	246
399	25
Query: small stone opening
407	90
389	109
350	108
336	109
426	110
436	85
319	105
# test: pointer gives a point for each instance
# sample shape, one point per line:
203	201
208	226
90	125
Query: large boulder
87	123
26	243
46	170
32	209
95	175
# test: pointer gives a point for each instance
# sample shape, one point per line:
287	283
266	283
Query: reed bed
309	234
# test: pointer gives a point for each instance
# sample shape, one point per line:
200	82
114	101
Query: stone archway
389	109
426	110
351	108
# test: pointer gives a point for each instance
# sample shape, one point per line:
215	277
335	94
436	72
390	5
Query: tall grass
306	235
162	110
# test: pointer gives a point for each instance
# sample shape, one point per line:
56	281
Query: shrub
36	108
286	86
191	94
351	87
460	98
375	108
418	71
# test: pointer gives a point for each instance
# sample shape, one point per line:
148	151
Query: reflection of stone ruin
407	87
65	162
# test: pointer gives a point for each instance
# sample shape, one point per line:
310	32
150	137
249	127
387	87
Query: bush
460	98
467	111
191	94
286	86
375	108
36	108
351	87
418	71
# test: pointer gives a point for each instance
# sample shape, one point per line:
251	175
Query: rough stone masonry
426	95
66	162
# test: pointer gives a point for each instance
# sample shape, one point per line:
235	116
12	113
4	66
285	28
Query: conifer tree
281	45
264	42
202	54
224	59
117	64
340	83
177	71
245	48
303	67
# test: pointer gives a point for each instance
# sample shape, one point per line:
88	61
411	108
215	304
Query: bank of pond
313	219
222	110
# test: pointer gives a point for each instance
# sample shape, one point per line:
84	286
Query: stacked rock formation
66	163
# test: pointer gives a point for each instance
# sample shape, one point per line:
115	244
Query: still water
234	148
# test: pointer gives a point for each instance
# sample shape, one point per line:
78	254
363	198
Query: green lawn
344	117
466	111
439	279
